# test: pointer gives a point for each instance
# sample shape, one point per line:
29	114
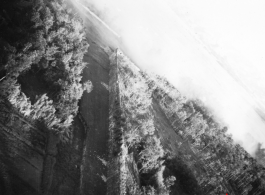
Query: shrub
151	154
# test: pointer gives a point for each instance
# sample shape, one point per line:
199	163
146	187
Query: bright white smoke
160	39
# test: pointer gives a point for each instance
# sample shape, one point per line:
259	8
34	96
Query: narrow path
94	108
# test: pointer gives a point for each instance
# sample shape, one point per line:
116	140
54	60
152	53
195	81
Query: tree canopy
45	38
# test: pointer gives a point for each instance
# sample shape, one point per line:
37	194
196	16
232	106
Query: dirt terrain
94	107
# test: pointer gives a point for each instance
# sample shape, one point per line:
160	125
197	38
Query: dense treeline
44	39
228	167
225	167
139	132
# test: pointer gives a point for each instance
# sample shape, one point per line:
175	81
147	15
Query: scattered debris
104	178
104	162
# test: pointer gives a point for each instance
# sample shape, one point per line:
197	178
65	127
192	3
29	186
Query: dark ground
94	108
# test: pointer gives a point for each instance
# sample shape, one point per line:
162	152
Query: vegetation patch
185	180
42	48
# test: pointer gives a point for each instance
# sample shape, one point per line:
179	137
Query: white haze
162	36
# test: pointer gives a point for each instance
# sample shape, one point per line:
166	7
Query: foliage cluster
186	180
226	163
45	37
225	166
140	136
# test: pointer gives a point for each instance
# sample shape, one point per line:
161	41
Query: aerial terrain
79	117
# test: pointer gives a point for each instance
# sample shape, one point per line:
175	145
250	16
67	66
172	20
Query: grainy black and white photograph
132	97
